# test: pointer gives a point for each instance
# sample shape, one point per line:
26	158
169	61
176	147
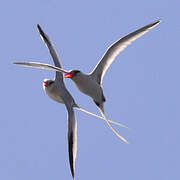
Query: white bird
91	84
56	90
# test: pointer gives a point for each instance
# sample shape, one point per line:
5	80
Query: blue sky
141	88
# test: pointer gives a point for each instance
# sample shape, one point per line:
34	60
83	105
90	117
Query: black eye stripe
75	72
51	82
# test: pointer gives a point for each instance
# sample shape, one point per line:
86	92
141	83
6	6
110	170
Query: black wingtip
157	22
71	160
16	62
43	35
40	29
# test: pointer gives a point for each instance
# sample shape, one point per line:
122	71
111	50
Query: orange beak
68	75
45	84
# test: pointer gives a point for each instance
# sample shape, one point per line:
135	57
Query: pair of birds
89	84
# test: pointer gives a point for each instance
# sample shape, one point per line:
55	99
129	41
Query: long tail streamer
122	138
113	122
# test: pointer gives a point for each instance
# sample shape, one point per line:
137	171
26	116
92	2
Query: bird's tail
113	122
101	108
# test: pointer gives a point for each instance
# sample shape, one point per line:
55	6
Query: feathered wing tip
156	22
101	108
72	138
71	158
43	35
40	66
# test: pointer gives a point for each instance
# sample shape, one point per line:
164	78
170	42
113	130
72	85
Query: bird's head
47	83
71	74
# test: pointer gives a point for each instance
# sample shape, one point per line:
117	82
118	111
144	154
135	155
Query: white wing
116	48
52	51
41	66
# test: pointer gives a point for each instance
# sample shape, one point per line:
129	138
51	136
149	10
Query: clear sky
141	88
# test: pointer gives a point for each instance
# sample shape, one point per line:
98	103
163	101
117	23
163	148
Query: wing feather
72	137
116	48
41	66
52	51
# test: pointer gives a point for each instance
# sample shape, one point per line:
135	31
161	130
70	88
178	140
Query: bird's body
89	86
53	91
56	90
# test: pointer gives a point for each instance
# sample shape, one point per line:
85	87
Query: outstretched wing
40	66
52	51
116	48
72	137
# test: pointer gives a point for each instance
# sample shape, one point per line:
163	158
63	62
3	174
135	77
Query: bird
91	84
57	90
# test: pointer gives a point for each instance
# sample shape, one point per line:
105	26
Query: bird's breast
54	93
89	86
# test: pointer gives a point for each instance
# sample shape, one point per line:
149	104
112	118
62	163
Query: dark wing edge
52	51
72	138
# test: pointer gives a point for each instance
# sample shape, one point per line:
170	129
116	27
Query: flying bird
91	84
56	90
